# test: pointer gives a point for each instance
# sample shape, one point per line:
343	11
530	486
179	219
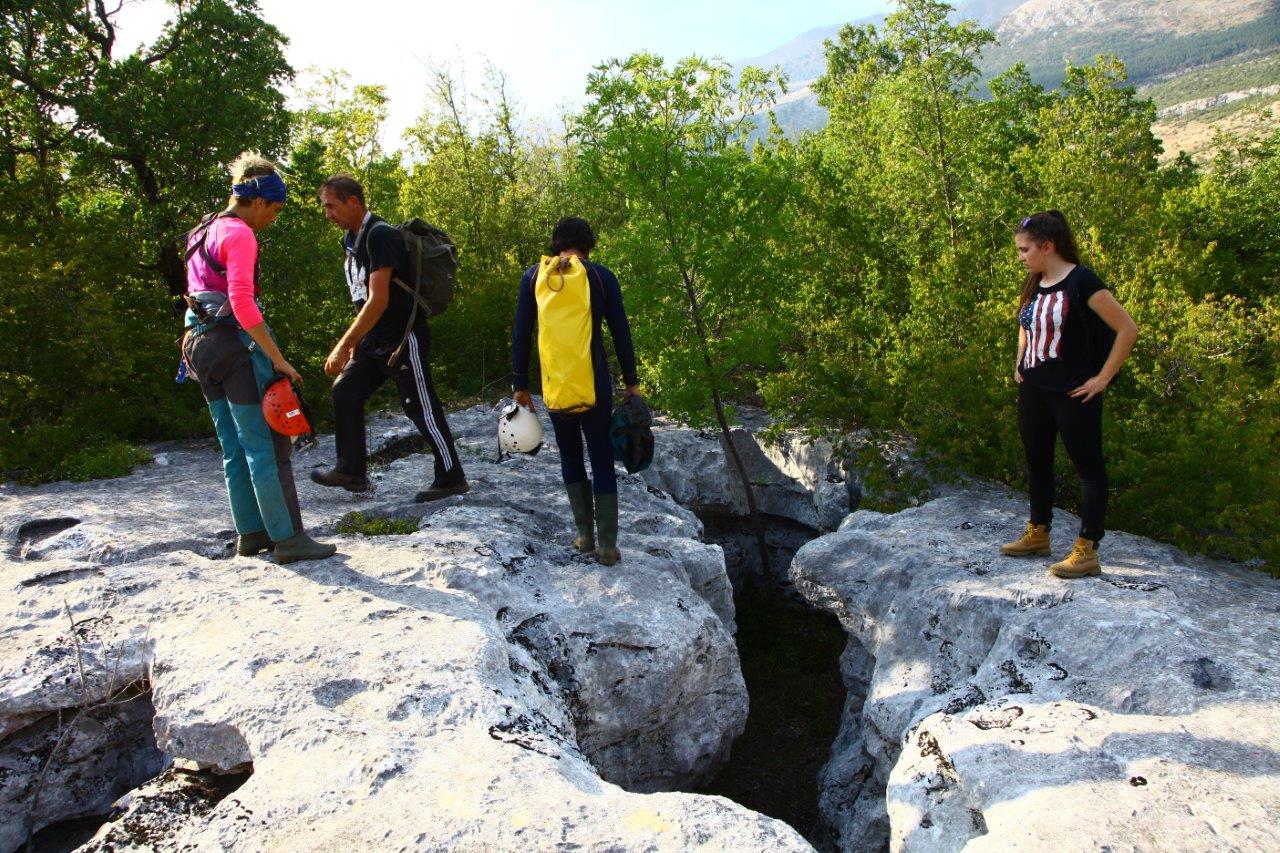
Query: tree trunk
171	268
729	447
695	311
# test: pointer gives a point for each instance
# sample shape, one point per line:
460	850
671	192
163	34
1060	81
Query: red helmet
284	410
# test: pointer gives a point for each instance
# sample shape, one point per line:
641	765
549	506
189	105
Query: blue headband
270	187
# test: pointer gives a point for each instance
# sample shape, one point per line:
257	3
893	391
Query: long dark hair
1049	226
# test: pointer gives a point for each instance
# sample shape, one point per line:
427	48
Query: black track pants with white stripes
364	375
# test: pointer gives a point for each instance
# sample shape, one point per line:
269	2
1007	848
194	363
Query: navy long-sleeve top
606	304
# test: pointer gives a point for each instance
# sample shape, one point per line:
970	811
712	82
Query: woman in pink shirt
229	349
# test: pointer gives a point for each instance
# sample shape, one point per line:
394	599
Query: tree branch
175	42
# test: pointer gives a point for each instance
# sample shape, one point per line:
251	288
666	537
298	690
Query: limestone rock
1005	708
96	757
476	683
693	467
795	476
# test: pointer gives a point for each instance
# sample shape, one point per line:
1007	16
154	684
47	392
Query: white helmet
519	430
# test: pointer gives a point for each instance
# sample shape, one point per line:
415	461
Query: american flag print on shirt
1044	318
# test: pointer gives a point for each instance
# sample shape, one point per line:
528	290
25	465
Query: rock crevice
473	682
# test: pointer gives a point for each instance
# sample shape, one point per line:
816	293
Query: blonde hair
247	165
250	164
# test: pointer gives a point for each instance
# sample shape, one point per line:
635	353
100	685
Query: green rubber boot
583	515
607	552
249	544
302	547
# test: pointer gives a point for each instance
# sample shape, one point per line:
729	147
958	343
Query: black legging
1042	415
594	424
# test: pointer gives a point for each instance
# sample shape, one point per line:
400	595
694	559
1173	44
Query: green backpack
433	259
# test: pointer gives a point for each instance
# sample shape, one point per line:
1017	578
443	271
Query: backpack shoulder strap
593	276
202	244
368	232
191	248
362	235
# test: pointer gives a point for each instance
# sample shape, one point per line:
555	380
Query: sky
545	48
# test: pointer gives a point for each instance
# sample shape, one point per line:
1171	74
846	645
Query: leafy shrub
45	454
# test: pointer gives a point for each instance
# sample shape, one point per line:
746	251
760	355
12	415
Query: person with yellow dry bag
569	296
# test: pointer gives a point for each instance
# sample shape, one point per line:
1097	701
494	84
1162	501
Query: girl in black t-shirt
1065	313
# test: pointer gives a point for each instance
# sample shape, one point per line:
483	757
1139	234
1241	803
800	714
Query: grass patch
368	525
113	459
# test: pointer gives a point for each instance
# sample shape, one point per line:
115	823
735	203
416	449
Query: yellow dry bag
563	292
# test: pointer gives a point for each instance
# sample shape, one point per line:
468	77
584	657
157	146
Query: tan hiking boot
1034	540
1081	562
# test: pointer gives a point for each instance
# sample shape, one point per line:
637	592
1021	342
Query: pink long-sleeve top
234	245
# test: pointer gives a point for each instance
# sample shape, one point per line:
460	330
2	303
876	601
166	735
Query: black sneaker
435	493
335	478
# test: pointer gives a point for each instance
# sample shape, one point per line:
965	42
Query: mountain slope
1212	51
1153	37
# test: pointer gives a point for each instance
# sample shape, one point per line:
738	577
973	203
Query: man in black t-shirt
366	355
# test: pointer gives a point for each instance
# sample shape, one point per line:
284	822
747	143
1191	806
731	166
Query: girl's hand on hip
1090	389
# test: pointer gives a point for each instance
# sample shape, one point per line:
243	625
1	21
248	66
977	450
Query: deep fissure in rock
790	654
76	762
782	536
105	776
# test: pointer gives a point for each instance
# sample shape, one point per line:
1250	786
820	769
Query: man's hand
631	391
379	284
522	398
337	359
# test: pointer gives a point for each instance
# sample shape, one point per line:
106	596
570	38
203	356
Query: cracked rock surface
475	684
693	467
993	706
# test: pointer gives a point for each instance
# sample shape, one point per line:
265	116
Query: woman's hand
1017	375
522	398
337	360
284	368
1091	389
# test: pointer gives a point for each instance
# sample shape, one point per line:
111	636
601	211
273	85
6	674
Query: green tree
108	158
497	185
697	245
